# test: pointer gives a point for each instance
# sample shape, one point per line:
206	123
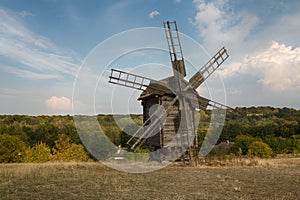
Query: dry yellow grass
252	179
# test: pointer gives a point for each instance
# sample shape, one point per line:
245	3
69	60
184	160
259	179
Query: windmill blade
216	105
199	77
175	49
128	80
138	82
187	129
155	120
202	103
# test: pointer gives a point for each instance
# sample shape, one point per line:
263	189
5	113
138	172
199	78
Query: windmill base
171	154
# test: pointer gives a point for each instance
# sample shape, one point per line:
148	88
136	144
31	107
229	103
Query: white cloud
59	103
178	1
258	71
30	52
218	24
153	14
275	68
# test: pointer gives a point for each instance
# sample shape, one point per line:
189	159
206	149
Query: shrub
64	150
38	153
260	149
242	143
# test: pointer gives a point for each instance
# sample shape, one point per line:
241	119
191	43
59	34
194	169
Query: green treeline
39	139
255	131
262	131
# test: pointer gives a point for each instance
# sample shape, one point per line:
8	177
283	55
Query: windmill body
169	128
170	105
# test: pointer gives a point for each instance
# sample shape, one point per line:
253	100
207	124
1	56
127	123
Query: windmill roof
162	87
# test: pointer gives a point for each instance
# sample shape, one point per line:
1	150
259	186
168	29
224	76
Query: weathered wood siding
168	135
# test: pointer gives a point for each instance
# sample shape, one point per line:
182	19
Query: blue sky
44	43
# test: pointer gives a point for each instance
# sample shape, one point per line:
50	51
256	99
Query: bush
38	153
64	150
242	143
12	149
260	149
296	144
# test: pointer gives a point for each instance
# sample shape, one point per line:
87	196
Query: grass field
246	179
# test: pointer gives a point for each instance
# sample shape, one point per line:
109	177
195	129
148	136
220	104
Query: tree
279	145
260	149
64	150
12	149
230	131
113	133
295	143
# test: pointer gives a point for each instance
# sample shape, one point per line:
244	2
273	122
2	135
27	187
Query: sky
47	46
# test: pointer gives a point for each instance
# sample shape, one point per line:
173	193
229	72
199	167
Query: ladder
199	77
174	46
129	80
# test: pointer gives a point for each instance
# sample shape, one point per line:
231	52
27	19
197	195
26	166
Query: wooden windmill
170	105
